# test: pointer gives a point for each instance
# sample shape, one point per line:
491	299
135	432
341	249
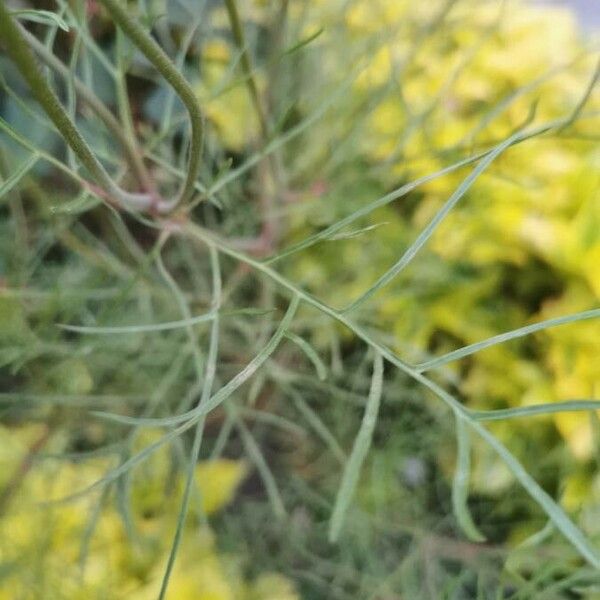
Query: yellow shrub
43	543
481	76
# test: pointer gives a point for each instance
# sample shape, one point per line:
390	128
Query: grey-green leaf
361	446
460	483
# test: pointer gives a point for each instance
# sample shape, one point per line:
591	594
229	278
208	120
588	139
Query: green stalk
583	100
21	54
246	64
132	153
154	53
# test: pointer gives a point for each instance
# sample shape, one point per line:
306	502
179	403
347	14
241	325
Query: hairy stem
154	53
133	154
21	54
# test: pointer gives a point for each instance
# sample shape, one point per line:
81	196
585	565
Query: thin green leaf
510	98
4	126
310	353
399	193
270	418
25	398
10	182
257	457
507	336
361	446
209	377
227	390
535	410
129	464
169	325
317	425
585	97
45	17
347	235
460	482
556	514
90	527
90	42
428	231
302	43
222	438
538	537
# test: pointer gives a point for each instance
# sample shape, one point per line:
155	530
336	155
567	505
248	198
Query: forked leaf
442	213
403	191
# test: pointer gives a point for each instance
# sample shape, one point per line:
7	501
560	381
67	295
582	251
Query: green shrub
307	270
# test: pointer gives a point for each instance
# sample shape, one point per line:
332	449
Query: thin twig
155	54
132	153
22	56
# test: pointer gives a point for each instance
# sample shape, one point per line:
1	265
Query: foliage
342	327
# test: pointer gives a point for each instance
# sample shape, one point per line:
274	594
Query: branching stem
132	153
155	54
21	54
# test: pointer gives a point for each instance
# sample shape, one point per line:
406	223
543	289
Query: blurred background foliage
361	97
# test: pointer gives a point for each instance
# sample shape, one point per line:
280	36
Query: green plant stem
271	177
240	41
553	510
154	53
21	54
133	154
207	385
584	98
